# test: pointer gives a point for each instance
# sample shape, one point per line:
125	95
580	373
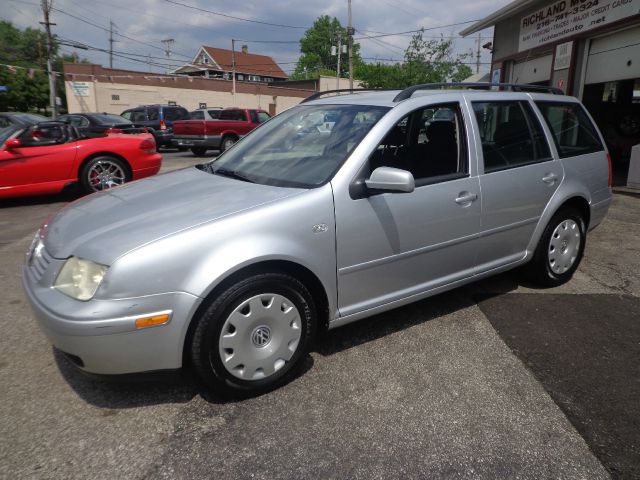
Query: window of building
573	132
511	135
115	98
254	78
240	76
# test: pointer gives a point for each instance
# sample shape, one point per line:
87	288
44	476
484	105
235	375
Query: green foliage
425	61
28	49
315	48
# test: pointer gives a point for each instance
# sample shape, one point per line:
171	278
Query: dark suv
158	119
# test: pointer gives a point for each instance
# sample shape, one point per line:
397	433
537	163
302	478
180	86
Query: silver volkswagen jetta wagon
337	209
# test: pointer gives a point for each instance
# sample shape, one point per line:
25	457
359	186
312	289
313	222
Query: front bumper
102	333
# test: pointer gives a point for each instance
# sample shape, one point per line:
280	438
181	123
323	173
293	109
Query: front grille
39	261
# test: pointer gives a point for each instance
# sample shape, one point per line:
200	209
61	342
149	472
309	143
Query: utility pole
233	70
168	43
46	8
111	42
339	53
350	32
478	54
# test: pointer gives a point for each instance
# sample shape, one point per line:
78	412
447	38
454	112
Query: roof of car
387	98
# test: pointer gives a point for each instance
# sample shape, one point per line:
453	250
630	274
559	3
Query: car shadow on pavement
401	318
69	194
127	391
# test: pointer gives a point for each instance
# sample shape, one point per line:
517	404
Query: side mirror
389	179
12	143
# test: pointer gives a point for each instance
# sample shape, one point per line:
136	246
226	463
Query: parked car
45	157
220	134
20	119
158	119
96	124
205	114
232	266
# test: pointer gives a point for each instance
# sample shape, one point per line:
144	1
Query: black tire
207	343
227	142
552	266
198	151
90	172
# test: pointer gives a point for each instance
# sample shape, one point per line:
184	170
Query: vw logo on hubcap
261	336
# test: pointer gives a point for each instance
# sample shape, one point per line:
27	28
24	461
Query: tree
315	48
425	61
26	81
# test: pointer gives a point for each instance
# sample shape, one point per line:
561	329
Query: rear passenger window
197	115
573	132
429	143
232	115
173	114
511	135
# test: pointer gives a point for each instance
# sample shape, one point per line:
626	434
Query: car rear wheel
227	143
198	151
103	172
254	335
559	250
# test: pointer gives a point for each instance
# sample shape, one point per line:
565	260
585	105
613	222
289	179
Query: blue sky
141	26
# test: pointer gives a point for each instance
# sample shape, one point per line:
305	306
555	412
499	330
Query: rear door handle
550	178
465	198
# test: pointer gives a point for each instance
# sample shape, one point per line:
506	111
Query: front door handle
550	178
465	198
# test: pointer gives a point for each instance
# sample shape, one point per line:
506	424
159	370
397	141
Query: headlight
80	278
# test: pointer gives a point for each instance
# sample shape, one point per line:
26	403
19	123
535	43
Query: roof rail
513	87
341	90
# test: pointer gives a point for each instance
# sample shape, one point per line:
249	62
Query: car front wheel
559	250
254	336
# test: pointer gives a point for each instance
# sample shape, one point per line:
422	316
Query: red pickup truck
220	134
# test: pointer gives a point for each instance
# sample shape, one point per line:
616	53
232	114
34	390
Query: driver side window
44	135
429	143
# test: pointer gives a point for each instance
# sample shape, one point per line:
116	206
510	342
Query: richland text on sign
565	18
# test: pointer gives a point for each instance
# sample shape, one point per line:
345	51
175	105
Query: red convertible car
47	156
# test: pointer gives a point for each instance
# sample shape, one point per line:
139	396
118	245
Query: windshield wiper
231	174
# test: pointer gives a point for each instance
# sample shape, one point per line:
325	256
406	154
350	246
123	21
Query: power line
193	7
419	30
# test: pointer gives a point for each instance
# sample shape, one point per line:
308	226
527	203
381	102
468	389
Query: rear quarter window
572	130
233	115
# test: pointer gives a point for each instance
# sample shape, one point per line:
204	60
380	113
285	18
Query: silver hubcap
564	246
260	336
228	143
105	174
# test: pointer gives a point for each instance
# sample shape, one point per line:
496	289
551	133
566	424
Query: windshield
30	117
7	132
302	147
110	119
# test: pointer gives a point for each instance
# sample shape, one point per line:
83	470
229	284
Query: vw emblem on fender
261	336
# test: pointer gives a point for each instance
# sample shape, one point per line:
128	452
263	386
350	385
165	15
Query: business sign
565	18
563	56
80	89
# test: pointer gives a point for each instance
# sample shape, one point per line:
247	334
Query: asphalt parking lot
492	380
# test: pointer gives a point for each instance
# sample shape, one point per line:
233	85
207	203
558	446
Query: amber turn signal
152	321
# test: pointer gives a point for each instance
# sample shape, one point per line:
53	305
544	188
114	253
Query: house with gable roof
212	62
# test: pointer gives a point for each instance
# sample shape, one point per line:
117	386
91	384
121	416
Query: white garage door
614	57
531	71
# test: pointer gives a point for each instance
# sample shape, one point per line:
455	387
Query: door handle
465	198
550	178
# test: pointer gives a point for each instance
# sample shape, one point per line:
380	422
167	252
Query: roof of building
247	63
507	11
